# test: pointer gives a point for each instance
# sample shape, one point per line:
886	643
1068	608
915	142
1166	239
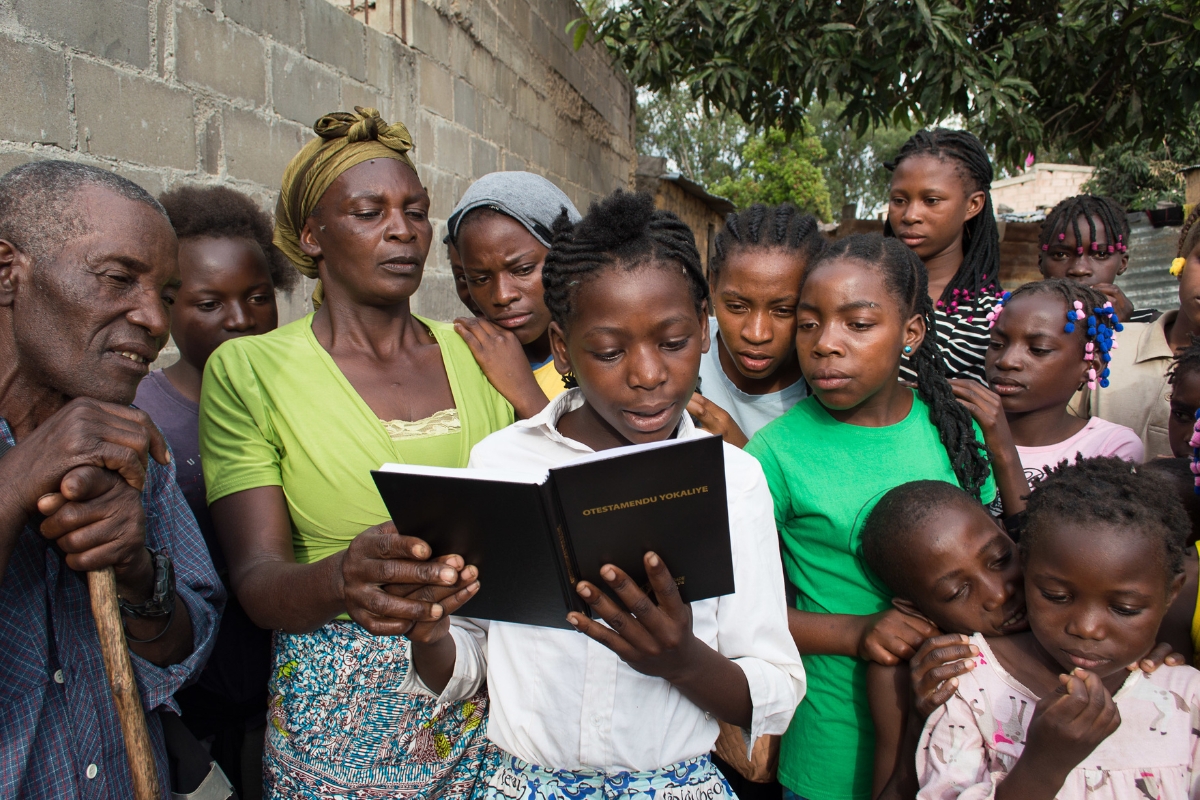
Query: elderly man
87	276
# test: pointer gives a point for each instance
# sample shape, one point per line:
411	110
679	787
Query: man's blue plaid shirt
59	732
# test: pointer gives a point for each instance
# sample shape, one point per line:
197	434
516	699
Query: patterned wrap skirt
339	729
694	779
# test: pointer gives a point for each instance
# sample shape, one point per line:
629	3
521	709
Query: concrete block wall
1042	186
168	92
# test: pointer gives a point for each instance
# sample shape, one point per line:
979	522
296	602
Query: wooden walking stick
102	586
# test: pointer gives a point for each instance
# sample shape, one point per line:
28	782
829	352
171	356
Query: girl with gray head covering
501	230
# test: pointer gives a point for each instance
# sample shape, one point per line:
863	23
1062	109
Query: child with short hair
750	375
1085	238
864	306
1054	712
1140	393
1184	379
1049	339
501	231
230	272
630	708
940	205
942	558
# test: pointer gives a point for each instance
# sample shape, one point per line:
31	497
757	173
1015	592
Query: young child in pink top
1054	712
1048	340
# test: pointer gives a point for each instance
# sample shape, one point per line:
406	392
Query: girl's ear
558	347
907	607
975	202
1175	588
1124	264
914	332
705	339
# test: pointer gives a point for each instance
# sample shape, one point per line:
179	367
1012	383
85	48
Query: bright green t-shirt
276	410
825	476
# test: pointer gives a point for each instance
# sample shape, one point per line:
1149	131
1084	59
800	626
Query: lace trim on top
440	424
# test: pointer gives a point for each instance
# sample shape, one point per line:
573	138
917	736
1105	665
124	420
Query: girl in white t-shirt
629	708
1048	340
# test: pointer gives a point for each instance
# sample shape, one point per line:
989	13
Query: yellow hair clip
1177	267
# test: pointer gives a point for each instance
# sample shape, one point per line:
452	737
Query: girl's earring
569	380
907	349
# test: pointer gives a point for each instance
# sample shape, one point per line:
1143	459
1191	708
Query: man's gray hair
37	203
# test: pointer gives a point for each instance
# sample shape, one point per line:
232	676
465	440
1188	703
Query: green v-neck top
275	410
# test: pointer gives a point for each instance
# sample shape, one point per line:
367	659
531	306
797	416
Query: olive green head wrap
343	140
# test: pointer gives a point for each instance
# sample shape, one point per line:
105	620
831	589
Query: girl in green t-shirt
864	305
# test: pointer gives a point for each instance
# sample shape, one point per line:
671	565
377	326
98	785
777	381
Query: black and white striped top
963	338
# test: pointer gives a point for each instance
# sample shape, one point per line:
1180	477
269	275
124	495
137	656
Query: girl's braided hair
1189	234
767	228
623	230
979	274
906	280
1066	215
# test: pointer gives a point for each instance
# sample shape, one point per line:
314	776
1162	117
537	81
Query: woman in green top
291	426
863	306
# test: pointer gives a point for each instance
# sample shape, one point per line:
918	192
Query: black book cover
534	536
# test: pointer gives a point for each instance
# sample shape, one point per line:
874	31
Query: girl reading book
631	707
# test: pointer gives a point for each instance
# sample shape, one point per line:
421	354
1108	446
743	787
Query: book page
464	473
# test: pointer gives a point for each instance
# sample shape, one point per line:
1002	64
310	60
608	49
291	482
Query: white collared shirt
563	701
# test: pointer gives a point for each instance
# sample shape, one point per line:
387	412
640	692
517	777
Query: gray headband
530	199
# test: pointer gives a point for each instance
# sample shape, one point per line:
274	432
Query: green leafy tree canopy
1024	74
778	169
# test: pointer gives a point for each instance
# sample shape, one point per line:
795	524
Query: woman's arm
277	593
888	697
988	412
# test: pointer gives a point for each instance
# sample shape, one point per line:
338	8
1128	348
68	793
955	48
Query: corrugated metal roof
1147	281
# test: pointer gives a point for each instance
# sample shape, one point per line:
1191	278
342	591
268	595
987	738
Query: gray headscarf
530	199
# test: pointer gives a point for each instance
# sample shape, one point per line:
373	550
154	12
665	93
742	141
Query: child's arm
895	751
499	355
1066	727
985	407
888	637
716	420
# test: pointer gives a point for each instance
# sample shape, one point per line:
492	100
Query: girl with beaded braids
1086	239
939	204
1140	394
863	307
1049	339
750	375
632	708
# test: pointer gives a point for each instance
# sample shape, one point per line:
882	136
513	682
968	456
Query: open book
535	536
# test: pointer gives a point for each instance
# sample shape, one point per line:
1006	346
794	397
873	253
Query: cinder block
333	37
506	87
437	89
114	29
431	32
482	74
424	144
461	46
210	147
153	181
132	118
465	105
540	150
220	56
303	89
453	149
279	19
437	298
33	105
513	163
485	158
442	195
258	149
15	159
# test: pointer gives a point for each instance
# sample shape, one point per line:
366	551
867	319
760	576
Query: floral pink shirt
970	744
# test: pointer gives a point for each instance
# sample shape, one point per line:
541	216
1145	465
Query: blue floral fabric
340	729
695	779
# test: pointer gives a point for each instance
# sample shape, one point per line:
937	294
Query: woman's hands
716	420
502	359
892	636
391	587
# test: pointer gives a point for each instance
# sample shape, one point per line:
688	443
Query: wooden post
102	586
